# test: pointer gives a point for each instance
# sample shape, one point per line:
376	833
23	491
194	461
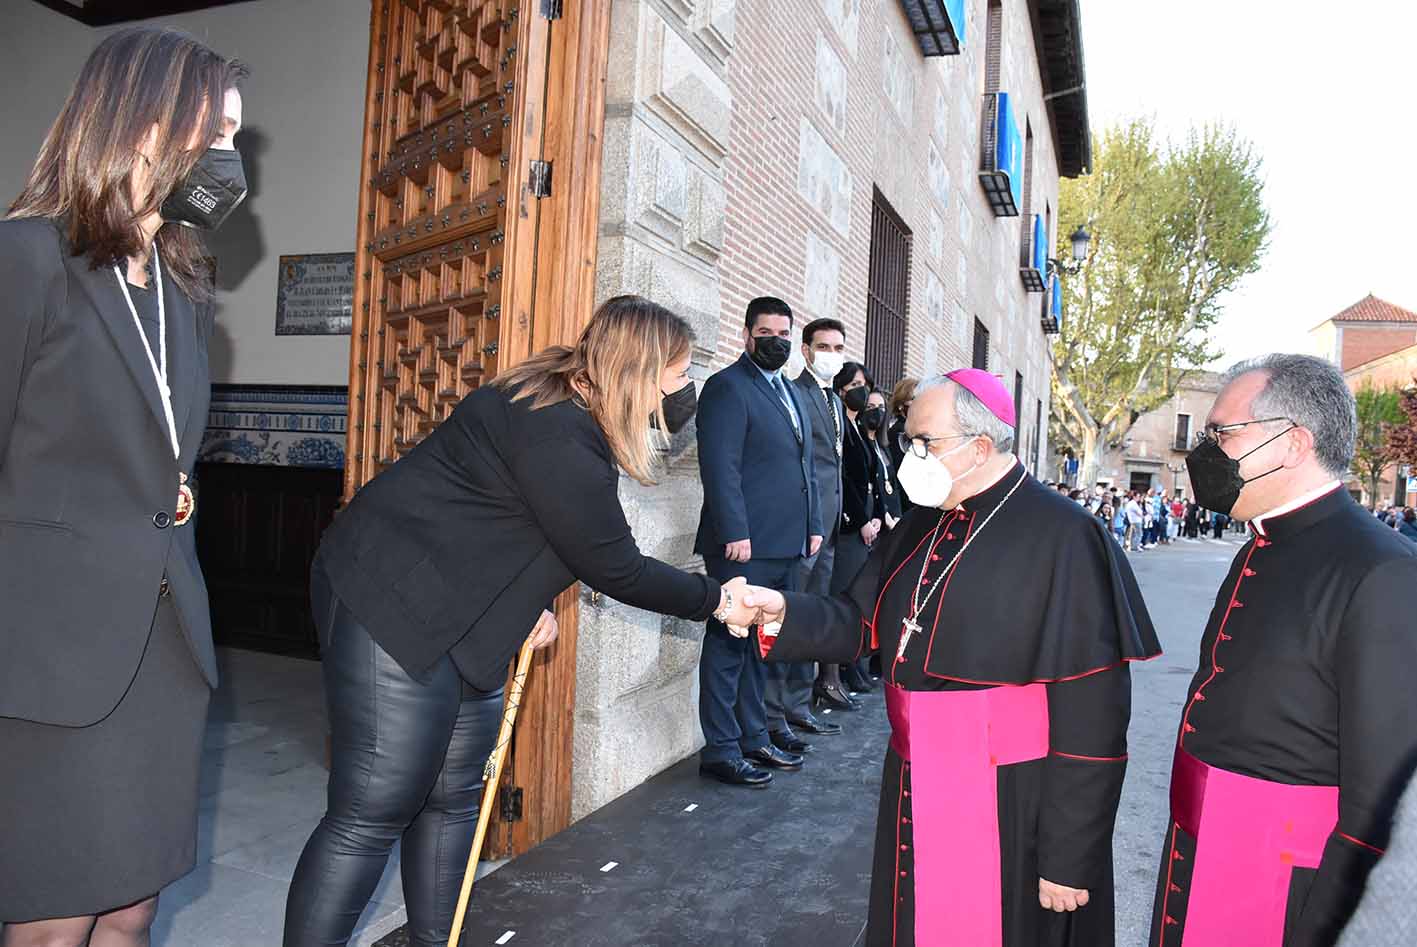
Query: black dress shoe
834	696
770	756
854	681
736	773
789	742
817	726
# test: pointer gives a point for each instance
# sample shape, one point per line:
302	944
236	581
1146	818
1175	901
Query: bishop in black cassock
1006	618
1300	727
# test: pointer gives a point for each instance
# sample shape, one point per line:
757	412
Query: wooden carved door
469	259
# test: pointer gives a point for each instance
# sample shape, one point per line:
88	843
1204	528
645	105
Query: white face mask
926	480
827	365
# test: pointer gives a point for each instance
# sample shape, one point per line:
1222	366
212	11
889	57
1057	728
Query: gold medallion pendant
186	501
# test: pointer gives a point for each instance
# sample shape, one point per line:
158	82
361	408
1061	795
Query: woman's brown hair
614	369
82	177
903	393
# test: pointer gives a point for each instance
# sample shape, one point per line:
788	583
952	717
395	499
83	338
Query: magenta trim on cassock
954	742
1250	835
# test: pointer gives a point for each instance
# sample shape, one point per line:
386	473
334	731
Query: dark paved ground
795	876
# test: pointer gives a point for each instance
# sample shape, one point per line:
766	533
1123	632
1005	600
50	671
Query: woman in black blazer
883	469
428	583
106	660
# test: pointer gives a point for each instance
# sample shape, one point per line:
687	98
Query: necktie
836	418
787	402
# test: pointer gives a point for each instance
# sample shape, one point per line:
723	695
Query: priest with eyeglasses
1299	730
1006	619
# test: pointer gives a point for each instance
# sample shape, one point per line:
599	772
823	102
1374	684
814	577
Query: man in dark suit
789	684
760	520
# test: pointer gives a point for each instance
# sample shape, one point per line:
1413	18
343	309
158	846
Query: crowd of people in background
1142	520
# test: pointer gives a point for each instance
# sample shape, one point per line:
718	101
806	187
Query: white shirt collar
1294	504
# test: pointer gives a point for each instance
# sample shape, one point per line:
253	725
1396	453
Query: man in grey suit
788	692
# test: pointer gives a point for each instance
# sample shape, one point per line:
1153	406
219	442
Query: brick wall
1363	343
832	97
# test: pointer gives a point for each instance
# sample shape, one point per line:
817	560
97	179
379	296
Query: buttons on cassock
162	519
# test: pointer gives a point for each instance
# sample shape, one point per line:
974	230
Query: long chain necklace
911	625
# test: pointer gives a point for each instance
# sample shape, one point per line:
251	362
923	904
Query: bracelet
726	609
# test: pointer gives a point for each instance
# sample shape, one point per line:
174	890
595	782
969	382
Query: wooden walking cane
492	779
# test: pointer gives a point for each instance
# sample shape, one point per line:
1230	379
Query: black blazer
884	479
857	483
759	478
458	547
88	483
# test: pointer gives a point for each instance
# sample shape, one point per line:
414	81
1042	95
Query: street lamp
1080	239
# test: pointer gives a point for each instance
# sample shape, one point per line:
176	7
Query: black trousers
407	764
732	673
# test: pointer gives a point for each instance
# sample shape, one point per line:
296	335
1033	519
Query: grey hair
972	415
1312	393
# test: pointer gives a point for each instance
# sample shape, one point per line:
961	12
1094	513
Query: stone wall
666	138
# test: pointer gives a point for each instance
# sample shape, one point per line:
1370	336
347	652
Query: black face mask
856	398
215	188
770	352
679	408
1215	475
873	418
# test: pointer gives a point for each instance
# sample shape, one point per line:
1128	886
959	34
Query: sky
1324	91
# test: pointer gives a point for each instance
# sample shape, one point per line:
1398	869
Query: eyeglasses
920	444
1213	432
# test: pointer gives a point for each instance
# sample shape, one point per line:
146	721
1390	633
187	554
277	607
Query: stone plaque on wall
831	85
823	271
823	179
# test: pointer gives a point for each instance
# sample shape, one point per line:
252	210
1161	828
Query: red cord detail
1360	842
1220	633
1091	759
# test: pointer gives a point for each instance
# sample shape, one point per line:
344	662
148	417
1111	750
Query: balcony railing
1035	267
1001	156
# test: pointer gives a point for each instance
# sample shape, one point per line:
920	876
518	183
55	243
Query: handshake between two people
742	606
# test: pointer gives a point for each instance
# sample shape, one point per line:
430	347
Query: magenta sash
953	742
1250	834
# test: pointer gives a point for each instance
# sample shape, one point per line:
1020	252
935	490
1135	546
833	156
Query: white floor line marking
609	866
506	937
691	807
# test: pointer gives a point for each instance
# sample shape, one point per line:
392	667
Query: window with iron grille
887	294
1025	256
981	346
993	44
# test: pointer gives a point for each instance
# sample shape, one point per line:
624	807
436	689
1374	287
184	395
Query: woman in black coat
106	659
441	567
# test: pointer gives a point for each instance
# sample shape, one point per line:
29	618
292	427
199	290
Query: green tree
1403	438
1173	230
1380	415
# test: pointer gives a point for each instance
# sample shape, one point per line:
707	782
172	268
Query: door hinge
511	803
551	9
540	178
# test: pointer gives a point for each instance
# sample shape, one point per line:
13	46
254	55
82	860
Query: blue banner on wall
1008	155
1040	244
1056	307
955	9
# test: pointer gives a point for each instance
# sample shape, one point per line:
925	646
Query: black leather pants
407	764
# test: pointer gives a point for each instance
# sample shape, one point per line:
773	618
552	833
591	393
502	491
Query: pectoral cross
907	628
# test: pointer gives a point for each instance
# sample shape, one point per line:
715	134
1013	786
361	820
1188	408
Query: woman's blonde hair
136	78
614	369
